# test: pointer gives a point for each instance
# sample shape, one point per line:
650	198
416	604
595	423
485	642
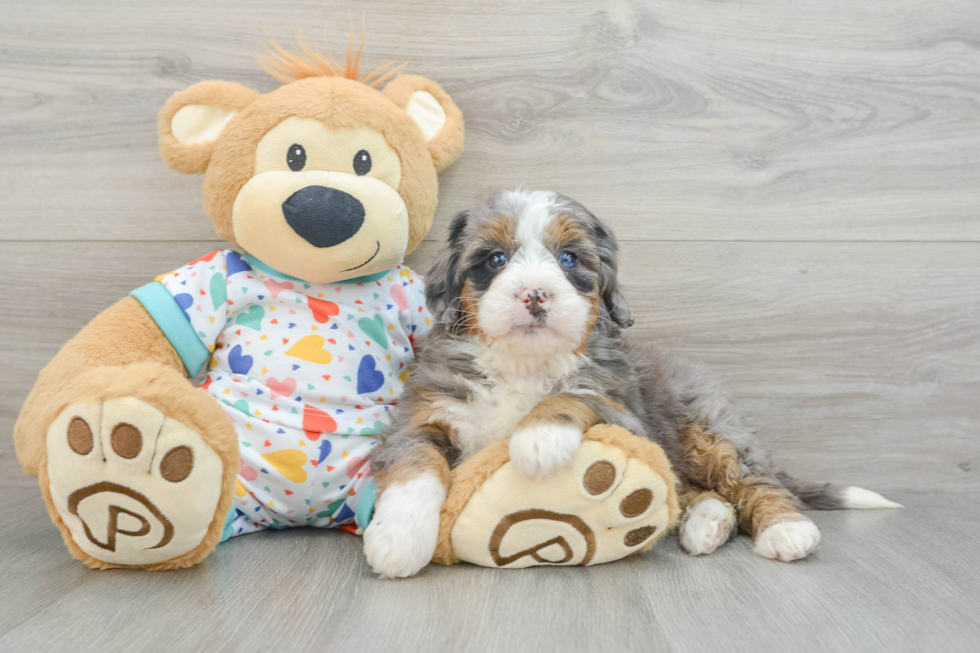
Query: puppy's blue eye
568	259
497	260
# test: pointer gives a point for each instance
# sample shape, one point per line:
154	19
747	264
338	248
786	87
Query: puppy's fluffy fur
528	345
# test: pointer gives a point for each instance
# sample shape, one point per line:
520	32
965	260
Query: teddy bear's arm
122	334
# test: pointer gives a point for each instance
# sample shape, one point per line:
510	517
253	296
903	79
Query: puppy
528	346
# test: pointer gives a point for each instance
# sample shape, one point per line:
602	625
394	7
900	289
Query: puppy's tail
827	496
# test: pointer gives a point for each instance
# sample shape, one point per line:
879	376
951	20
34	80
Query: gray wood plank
717	138
859	362
881	581
744	120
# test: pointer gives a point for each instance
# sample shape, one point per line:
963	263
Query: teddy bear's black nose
323	216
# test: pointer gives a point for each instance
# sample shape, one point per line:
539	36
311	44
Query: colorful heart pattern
276	287
279	388
239	362
235	264
252	319
399	297
219	296
311	349
308	375
322	309
369	379
289	463
317	422
374	328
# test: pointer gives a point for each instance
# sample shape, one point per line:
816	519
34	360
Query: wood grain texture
859	362
746	120
795	184
900	580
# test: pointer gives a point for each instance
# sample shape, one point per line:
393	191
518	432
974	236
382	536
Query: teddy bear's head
325	178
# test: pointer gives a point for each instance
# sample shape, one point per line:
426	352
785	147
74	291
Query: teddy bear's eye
362	163
296	157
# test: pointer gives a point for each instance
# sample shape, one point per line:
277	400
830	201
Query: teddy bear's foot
133	487
615	497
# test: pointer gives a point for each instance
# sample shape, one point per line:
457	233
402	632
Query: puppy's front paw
788	541
706	526
543	449
402	535
398	549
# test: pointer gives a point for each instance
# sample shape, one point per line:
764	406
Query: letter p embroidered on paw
369	379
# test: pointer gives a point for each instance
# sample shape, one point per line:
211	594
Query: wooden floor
796	186
890	581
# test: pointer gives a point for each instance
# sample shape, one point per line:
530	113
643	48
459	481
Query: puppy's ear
613	301
192	119
444	283
434	112
612	298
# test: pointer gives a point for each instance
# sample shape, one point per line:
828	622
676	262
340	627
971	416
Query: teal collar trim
367	278
256	263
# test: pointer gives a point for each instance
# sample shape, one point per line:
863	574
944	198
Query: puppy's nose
535	299
323	216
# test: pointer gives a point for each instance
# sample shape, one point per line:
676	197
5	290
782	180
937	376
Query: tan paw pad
600	507
132	486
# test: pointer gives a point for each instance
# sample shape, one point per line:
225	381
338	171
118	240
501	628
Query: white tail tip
857	498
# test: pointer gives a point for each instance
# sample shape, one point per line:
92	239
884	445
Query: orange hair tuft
288	67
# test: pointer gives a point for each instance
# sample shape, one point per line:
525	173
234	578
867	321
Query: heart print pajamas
308	374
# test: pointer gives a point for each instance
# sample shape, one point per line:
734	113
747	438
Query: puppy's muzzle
323	216
536	301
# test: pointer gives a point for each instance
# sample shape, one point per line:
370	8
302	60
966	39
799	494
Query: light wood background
796	185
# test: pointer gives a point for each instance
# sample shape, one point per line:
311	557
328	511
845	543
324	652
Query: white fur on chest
516	384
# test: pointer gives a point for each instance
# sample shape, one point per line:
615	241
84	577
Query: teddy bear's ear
192	120
435	113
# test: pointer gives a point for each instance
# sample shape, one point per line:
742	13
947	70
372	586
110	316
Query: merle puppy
530	315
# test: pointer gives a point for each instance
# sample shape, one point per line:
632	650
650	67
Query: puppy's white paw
543	449
396	548
706	526
788	541
402	535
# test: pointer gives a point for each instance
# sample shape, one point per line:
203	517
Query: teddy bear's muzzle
323	216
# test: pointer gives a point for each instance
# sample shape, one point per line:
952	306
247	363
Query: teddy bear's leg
616	496
139	468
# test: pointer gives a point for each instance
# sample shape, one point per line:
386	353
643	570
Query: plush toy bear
324	185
